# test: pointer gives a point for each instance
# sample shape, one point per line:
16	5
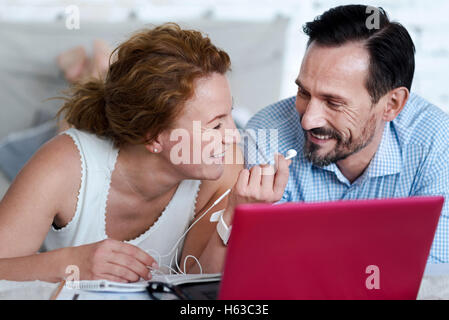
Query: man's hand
260	184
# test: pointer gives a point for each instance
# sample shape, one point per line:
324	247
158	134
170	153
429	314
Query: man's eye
302	93
333	105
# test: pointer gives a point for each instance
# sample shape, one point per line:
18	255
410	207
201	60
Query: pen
58	290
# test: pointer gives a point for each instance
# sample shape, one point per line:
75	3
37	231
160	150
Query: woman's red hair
146	86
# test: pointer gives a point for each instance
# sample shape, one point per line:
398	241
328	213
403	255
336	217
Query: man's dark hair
391	49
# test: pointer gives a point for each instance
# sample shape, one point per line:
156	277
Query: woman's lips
219	155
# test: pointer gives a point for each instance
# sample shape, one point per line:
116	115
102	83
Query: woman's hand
112	260
260	184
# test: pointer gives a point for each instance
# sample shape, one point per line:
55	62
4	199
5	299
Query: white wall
427	22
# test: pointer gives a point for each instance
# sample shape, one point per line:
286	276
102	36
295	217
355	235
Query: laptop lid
360	249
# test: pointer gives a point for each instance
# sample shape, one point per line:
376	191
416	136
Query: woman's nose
231	134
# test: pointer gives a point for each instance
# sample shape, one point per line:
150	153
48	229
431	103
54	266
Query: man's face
336	110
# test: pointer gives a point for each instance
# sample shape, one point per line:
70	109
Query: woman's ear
155	145
396	102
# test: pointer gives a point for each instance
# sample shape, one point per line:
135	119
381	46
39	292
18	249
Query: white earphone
224	232
290	154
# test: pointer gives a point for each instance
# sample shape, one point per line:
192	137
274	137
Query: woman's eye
217	127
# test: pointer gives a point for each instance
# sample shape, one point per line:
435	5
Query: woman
109	195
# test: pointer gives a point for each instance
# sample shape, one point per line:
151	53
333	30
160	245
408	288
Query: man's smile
318	139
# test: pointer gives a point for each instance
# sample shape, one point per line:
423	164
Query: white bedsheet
434	286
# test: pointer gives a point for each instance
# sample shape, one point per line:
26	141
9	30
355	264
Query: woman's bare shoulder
43	190
50	174
58	158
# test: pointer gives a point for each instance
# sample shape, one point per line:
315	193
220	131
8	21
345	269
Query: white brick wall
427	22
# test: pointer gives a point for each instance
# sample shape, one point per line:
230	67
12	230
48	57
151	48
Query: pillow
4	185
17	148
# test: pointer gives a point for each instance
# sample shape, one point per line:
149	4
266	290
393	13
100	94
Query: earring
155	150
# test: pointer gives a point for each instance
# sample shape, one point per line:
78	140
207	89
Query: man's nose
314	116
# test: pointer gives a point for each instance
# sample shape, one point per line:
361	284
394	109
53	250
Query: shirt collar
388	158
386	161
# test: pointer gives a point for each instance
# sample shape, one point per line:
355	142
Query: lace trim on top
107	187
158	221
83	178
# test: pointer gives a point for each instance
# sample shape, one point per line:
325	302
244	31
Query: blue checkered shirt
412	160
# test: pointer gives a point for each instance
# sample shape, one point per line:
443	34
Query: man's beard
343	148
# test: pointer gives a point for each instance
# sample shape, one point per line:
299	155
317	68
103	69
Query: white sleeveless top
98	158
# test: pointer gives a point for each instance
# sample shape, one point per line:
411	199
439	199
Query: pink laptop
362	249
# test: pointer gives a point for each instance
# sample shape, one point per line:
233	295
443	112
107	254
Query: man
361	132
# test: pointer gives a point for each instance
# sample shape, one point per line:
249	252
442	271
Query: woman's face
200	142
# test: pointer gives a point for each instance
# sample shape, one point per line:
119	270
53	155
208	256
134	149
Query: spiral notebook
104	289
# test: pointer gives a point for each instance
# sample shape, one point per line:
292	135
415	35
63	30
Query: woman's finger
255	179
110	277
132	264
243	180
133	251
121	272
267	180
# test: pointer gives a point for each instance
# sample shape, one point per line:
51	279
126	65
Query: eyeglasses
165	291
